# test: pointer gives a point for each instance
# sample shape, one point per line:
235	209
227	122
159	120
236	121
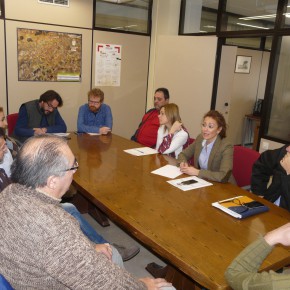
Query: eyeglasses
51	106
94	102
74	168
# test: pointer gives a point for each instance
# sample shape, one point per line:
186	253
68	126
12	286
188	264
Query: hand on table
104	130
190	170
280	235
39	131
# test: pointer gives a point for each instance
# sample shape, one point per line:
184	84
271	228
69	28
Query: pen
229	199
140	151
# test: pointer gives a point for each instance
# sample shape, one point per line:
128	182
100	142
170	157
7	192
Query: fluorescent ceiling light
258	17
118	1
260	27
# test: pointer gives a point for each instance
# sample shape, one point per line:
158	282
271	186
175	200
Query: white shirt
179	139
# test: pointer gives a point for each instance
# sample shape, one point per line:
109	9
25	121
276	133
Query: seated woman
213	154
172	137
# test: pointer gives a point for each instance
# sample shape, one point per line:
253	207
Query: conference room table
194	238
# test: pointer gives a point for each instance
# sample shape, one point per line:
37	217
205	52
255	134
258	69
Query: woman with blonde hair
172	137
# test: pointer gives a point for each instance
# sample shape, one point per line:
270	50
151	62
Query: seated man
269	165
95	117
146	134
243	271
56	253
41	116
126	253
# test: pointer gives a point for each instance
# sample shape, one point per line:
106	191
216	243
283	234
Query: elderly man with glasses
46	248
41	116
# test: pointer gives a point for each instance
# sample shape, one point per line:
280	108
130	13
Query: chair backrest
11	120
243	161
4	284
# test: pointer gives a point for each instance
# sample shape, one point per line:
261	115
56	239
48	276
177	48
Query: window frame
149	22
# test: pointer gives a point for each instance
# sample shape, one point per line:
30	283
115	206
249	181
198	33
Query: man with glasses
95	117
46	248
41	116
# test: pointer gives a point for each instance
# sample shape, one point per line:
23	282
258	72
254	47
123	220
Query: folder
241	206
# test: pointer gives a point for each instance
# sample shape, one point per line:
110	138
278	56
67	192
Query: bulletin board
48	56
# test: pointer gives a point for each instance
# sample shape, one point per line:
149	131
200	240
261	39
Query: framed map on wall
48	56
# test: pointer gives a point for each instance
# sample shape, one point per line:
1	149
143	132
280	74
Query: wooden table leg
98	215
180	281
85	206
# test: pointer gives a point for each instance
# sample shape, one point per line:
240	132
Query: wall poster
108	65
48	56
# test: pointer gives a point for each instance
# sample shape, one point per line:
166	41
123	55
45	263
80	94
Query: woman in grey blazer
212	153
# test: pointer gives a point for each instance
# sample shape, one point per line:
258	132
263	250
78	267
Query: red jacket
146	134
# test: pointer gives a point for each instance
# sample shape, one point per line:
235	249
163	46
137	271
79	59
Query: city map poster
48	56
108	65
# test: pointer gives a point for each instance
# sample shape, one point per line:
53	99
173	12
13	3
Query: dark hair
39	158
2	133
219	118
164	91
96	93
51	95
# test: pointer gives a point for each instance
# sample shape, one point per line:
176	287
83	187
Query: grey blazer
220	162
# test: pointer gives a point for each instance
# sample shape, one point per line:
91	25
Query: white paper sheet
60	134
169	171
198	184
142	151
94	134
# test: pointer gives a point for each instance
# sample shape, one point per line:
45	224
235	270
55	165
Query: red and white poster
108	65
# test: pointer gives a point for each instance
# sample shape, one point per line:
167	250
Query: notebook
241	206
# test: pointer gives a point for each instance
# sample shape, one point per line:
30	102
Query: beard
45	112
93	109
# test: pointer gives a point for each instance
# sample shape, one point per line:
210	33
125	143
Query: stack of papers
189	183
142	151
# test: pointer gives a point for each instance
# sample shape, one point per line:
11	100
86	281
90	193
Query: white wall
185	65
129	99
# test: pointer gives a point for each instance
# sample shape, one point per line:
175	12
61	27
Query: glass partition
280	112
129	15
200	16
250	15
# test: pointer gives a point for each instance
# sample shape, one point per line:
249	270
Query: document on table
169	171
60	134
188	183
94	134
141	151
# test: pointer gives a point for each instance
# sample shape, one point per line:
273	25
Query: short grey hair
39	158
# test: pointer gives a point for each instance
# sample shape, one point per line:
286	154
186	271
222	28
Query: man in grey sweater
41	245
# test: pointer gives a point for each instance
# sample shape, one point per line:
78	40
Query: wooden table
182	227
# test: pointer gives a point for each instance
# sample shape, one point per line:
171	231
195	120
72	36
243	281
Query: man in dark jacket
41	116
273	163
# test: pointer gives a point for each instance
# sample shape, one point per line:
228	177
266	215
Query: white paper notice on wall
108	65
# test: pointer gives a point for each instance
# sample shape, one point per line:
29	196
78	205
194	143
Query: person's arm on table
242	273
59	125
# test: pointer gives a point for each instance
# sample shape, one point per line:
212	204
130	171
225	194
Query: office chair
4	284
243	161
11	120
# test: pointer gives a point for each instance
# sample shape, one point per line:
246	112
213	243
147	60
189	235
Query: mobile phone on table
253	204
188	182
